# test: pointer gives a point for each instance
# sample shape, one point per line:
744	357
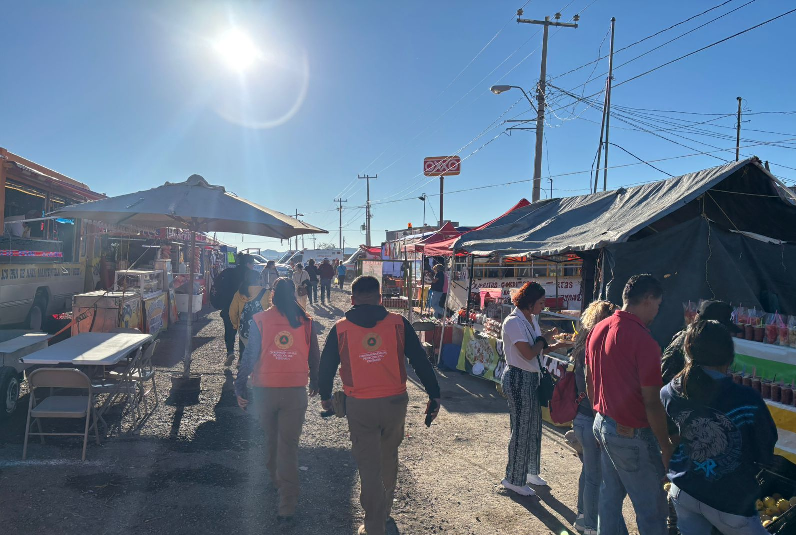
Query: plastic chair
52	406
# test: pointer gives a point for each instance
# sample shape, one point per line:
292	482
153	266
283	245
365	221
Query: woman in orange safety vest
282	358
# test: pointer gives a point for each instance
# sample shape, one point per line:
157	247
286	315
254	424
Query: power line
706	47
644	39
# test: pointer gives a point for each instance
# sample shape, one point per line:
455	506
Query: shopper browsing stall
623	381
726	433
436	290
523	345
673	360
591	472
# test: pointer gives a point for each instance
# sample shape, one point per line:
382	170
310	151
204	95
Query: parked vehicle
44	261
318	255
15	343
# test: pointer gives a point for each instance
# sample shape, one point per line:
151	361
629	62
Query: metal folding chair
57	406
141	374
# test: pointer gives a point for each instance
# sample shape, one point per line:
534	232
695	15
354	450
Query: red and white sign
442	165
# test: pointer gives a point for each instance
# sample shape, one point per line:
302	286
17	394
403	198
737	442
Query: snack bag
792	331
756	321
772	322
782	328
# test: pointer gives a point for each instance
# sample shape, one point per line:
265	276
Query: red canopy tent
447	232
442	246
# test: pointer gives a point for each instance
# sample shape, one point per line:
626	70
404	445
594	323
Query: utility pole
340	209
540	95
367	207
608	104
551	187
738	133
600	146
297	216
423	198
441	198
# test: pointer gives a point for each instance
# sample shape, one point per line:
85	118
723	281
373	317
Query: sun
237	50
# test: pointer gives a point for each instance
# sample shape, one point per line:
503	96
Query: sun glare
237	50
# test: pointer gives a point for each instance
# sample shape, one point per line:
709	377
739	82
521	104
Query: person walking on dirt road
282	356
225	286
370	346
326	274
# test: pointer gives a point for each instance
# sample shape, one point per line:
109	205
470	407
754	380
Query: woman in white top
523	344
301	280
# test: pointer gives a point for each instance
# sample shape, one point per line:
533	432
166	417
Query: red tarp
447	232
443	247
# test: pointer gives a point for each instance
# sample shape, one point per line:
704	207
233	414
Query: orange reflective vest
372	362
284	352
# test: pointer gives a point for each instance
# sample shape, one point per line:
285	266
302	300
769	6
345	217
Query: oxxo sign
442	165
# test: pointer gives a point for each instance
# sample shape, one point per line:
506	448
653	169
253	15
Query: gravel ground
200	468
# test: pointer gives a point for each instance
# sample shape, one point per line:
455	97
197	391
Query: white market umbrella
194	205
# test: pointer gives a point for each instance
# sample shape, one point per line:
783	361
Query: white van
316	254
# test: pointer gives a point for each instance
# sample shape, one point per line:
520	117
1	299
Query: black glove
545	345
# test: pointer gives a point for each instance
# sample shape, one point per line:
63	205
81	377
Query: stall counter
767	360
785	419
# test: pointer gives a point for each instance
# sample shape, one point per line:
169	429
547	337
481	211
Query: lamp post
537	165
423	198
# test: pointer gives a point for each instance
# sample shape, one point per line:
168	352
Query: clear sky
127	95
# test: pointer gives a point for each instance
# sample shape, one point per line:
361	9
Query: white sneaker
534	479
590	531
522	491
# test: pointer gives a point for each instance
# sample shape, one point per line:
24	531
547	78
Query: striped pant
525	446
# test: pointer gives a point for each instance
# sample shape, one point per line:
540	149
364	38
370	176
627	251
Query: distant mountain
272	254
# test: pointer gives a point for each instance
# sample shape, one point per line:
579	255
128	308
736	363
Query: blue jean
630	466
434	297
590	477
312	292
326	286
696	518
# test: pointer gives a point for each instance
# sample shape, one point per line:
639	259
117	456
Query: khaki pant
377	429
281	413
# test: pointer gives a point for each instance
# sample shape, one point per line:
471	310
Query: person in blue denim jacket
726	434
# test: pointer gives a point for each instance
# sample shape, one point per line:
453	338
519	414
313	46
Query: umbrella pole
187	358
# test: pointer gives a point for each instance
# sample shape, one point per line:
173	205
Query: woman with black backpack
250	299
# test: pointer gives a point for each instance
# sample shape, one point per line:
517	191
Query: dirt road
199	468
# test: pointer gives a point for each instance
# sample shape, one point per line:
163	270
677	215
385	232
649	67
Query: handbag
565	400
547	384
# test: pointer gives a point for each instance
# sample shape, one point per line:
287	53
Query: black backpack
249	310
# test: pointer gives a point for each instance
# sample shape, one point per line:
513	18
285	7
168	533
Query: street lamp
423	198
537	163
498	89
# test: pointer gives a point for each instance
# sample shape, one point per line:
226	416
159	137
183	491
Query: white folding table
94	349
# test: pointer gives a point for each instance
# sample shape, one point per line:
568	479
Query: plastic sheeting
740	195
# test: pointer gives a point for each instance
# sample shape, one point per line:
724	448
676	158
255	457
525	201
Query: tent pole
187	358
423	281
470	288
